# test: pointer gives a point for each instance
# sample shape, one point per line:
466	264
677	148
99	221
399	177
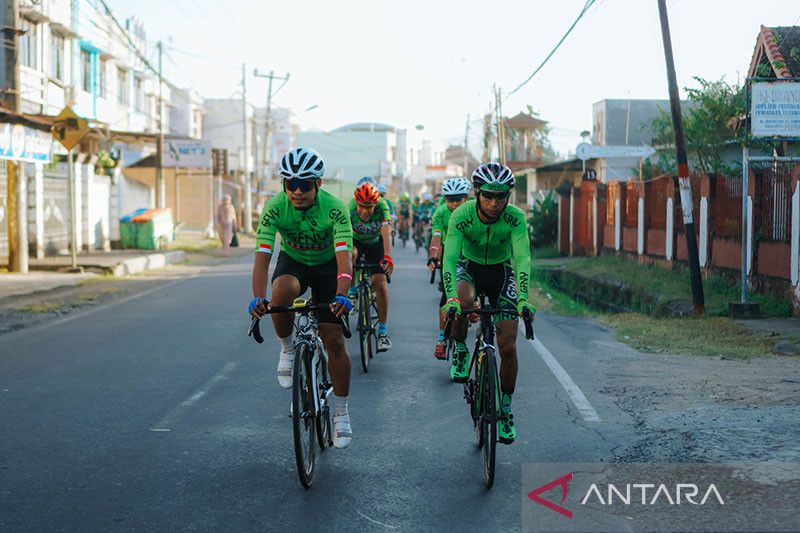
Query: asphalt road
158	413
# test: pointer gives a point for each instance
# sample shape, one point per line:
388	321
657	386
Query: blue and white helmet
427	197
382	188
493	177
456	186
302	163
367	179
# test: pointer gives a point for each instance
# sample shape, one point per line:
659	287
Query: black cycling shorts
321	279
495	281
370	253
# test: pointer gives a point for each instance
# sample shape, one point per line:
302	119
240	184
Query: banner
21	143
775	109
186	153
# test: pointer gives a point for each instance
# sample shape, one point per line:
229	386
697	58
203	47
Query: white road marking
173	416
573	391
375	521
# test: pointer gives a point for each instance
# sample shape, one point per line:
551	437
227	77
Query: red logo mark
563	482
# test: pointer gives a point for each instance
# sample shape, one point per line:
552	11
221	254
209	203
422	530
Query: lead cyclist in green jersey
487	250
316	244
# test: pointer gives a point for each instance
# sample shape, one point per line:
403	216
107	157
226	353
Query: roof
366	126
779	47
523	121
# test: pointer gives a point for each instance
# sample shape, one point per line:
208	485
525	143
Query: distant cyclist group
335	249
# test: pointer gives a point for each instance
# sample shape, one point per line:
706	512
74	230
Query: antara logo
681	493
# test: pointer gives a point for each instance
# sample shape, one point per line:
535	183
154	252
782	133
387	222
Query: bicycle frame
306	333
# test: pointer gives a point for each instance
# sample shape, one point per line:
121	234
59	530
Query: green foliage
794	53
543	222
710	123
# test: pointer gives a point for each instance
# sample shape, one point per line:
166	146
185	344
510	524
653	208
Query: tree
543	222
712	121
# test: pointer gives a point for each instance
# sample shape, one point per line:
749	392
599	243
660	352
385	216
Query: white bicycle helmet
367	179
302	163
427	197
382	188
493	177
456	186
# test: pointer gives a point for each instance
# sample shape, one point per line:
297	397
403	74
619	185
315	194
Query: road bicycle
367	312
482	387
312	391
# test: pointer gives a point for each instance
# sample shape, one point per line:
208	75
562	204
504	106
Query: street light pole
271	76
248	200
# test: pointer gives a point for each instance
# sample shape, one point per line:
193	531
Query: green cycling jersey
439	222
487	244
369	232
311	236
392	208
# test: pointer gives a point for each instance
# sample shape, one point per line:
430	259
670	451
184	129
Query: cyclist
369	216
404	215
422	218
316	243
456	191
392	209
485	237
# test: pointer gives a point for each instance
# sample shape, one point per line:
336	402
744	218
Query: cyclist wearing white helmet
316	245
455	191
488	251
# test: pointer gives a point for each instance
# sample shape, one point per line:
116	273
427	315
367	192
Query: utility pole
248	199
501	141
466	144
271	76
683	166
161	190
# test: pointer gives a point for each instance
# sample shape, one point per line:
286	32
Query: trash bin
155	228
128	229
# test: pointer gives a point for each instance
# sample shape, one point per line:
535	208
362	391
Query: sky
432	63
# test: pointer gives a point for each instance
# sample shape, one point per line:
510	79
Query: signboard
586	151
186	153
21	143
219	165
775	109
68	128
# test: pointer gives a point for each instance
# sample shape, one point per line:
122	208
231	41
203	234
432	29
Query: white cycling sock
340	405
286	344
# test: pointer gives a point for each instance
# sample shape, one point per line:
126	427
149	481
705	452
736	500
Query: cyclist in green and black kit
488	250
316	244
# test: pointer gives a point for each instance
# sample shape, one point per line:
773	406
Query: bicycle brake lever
255	330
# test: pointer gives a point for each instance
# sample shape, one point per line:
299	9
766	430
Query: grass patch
674	284
705	336
548	252
201	246
547	297
87	297
40	307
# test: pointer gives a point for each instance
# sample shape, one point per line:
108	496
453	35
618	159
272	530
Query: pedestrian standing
226	223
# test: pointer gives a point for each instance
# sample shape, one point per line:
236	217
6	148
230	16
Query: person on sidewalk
226	223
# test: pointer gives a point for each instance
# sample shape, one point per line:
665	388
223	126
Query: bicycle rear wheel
489	417
473	392
303	424
364	328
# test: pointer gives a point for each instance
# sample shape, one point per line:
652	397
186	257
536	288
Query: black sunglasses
456	198
297	183
499	196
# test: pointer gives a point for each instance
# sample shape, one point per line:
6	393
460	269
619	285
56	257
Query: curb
136	265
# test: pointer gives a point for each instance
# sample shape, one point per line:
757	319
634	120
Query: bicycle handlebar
255	330
527	318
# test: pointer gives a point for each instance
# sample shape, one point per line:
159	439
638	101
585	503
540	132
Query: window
27	43
56	56
138	94
86	71
102	82
122	86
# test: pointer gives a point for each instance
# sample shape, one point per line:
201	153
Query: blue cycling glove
345	301
254	304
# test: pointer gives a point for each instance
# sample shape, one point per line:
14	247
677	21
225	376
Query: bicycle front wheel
324	419
489	417
303	415
364	329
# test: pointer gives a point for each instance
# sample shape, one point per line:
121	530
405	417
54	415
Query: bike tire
363	329
303	425
324	420
489	418
474	393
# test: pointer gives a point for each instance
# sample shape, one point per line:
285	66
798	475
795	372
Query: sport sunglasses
499	196
456	198
297	183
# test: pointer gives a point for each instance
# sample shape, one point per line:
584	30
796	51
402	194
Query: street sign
586	151
219	158
187	153
68	128
775	109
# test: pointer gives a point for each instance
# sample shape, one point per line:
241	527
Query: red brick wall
608	237
725	253
655	242
563	245
774	259
629	239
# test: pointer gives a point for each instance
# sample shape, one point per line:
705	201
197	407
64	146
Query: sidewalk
50	273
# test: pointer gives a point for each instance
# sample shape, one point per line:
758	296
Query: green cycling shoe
459	370
506	430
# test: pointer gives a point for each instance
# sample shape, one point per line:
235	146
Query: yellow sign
68	128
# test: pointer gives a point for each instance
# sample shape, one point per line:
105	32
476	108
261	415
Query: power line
204	58
586	7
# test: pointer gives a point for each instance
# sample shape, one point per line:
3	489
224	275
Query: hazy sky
432	62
